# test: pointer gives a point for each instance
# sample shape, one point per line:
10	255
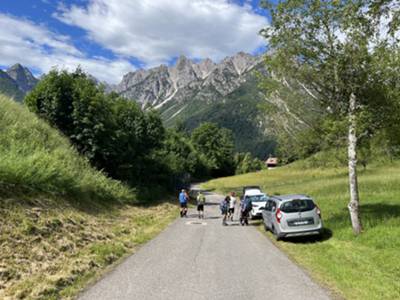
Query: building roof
272	161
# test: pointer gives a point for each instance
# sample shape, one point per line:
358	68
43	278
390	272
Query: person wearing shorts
232	203
201	200
183	200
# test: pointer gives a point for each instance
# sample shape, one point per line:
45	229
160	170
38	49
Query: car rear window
258	198
297	205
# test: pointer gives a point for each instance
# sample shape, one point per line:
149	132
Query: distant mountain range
188	94
16	81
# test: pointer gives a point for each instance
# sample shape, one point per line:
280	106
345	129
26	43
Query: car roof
290	197
254	192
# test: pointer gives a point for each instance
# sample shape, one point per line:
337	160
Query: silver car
292	215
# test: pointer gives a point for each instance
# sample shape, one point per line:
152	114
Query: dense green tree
333	48
52	99
113	133
245	163
216	144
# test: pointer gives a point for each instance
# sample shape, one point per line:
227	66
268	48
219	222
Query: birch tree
333	48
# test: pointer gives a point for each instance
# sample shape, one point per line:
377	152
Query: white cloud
156	31
37	47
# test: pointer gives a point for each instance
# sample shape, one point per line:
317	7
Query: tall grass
35	157
358	267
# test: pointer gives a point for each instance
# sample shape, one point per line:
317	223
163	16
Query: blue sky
109	38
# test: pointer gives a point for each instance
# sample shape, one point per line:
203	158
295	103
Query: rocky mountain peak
183	72
183	62
23	77
187	80
242	62
204	68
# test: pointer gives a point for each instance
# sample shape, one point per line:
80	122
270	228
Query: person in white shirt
232	203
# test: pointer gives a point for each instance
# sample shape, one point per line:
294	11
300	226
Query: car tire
265	226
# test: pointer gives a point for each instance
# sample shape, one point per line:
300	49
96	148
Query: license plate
301	222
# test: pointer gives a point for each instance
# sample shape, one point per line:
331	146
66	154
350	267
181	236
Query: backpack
247	205
223	206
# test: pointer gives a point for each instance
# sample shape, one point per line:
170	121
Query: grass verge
51	249
356	267
62	223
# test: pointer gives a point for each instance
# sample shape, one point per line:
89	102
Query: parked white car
258	200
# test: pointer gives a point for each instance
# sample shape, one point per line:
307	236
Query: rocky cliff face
23	77
16	81
186	80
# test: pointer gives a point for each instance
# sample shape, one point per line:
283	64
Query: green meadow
354	267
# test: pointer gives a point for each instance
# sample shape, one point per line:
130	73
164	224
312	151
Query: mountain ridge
156	86
17	81
190	93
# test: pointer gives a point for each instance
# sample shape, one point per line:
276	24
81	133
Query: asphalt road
195	259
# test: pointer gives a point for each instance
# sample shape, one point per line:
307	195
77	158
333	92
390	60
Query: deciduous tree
332	48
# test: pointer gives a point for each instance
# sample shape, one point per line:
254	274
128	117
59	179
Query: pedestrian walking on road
245	207
183	201
224	209
201	200
232	203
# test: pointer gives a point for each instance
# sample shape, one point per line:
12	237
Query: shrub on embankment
37	158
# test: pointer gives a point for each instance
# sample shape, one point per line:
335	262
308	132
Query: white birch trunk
352	157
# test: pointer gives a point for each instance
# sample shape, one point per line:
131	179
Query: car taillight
318	211
278	215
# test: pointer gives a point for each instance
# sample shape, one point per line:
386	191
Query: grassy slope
364	267
62	222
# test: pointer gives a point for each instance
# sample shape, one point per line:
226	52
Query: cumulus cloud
156	31
37	47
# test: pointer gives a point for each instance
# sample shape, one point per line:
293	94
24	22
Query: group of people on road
227	207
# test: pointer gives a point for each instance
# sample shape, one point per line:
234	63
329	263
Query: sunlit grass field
363	267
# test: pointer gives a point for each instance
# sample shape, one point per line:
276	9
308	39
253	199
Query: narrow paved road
190	260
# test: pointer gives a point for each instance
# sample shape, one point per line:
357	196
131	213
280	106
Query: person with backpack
245	207
183	201
201	200
224	205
